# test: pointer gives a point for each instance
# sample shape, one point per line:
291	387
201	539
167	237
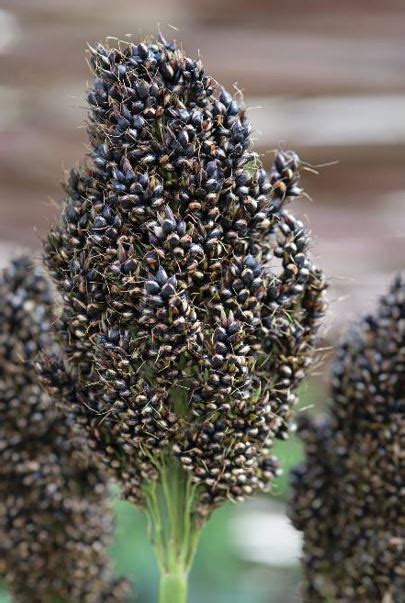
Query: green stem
173	587
174	532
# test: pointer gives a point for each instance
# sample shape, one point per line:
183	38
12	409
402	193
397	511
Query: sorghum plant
347	495
55	520
190	303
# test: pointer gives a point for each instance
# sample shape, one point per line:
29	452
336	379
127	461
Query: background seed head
347	496
190	302
55	518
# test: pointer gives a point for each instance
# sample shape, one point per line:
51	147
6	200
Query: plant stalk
173	530
173	587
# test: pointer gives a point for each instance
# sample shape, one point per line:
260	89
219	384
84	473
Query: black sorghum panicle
55	520
190	303
347	496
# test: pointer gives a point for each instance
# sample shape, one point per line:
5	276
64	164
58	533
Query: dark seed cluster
55	520
190	302
348	496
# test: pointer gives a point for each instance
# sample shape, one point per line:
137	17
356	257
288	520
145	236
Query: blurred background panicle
324	78
56	517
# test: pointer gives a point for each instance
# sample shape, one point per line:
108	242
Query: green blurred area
218	575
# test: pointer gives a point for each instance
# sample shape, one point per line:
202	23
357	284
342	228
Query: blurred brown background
323	77
326	78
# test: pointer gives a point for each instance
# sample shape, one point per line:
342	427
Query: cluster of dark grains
190	303
347	497
55	520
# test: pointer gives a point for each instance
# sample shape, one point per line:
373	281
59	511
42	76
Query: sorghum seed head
55	520
347	495
190	303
